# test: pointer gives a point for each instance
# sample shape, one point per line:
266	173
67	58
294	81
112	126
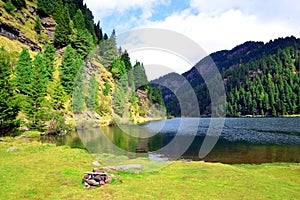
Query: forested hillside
260	79
58	67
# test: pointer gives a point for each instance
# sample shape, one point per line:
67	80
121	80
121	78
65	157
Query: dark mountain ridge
242	67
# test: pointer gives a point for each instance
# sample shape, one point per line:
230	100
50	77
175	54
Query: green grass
44	171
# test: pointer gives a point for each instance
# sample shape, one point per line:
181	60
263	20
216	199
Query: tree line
264	80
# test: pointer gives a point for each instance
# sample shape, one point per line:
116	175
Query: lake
241	140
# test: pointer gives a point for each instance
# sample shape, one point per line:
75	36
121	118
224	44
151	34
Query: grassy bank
44	171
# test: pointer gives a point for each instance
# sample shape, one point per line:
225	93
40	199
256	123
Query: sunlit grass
44	171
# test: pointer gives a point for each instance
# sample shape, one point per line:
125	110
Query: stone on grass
11	149
95	163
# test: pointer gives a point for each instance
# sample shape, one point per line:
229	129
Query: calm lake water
242	140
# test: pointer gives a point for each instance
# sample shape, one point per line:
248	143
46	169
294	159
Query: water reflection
242	141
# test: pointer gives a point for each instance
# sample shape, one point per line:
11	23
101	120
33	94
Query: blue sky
213	24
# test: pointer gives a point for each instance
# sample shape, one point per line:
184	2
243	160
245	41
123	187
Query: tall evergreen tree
35	105
109	50
98	32
77	95
92	95
119	100
140	77
78	20
9	108
69	68
45	8
24	72
63	31
49	60
83	42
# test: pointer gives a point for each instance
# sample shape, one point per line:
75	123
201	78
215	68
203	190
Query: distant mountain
259	78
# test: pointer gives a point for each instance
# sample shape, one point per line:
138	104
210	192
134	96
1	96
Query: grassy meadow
45	171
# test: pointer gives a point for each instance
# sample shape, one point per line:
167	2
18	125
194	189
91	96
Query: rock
95	163
31	9
12	33
97	116
11	149
24	129
63	132
89	115
9	31
49	24
93	179
21	137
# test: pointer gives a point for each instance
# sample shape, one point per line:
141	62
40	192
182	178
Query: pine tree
45	7
140	77
9	108
58	11
77	100
118	68
42	72
126	59
49	60
92	95
69	68
77	95
63	31
24	72
98	32
57	102
57	95
119	100
109	50
83	42
78	20
36	105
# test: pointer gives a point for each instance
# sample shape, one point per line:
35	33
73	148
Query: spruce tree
92	94
119	100
57	94
78	20
35	106
63	31
109	50
69	68
140	77
98	32
24	73
45	7
49	60
77	95
83	42
9	108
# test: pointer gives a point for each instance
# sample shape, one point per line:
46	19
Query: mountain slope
260	79
63	71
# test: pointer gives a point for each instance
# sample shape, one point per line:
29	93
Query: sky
213	24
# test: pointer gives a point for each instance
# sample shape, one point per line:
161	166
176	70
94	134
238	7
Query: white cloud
157	62
226	29
213	24
115	8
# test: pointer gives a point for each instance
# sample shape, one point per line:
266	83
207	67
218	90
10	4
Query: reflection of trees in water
113	140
